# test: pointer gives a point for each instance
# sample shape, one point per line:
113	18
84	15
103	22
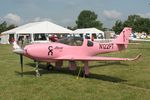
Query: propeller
21	64
18	50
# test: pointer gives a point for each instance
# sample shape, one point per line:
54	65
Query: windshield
73	41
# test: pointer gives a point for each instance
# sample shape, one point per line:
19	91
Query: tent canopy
39	27
15	30
88	30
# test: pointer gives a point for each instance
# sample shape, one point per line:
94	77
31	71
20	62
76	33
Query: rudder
123	38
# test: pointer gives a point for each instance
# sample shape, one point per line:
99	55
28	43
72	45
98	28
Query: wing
95	58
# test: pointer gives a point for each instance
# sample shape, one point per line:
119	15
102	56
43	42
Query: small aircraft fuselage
51	51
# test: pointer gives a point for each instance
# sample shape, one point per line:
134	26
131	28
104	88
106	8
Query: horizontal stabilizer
120	43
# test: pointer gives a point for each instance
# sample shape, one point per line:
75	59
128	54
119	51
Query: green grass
108	80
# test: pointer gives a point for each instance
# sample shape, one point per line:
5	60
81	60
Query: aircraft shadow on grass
101	64
64	70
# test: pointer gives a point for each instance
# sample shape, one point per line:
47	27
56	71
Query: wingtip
136	58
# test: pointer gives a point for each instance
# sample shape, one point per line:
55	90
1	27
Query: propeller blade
21	63
19	51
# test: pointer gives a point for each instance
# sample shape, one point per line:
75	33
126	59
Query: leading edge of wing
97	58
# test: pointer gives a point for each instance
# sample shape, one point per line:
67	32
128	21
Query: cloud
145	15
111	14
11	18
65	21
37	19
72	3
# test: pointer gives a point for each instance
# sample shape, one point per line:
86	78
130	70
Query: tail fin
123	38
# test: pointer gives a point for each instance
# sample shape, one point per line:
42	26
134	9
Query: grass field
108	80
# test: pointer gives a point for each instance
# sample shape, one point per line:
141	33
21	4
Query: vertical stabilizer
123	38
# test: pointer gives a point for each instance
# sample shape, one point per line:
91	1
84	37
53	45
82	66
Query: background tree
143	25
88	19
4	27
136	22
132	21
118	27
72	28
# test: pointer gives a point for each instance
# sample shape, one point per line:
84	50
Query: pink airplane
74	49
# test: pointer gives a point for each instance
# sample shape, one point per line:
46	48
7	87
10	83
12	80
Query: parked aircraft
74	49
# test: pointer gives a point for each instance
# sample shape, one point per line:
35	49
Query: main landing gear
49	67
83	71
86	69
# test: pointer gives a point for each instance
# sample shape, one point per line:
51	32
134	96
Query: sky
65	12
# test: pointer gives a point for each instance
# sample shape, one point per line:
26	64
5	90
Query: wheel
50	67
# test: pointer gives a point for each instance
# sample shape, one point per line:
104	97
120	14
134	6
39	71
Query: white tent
98	34
88	30
43	27
39	27
4	39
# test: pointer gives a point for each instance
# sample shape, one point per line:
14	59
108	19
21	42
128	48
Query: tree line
4	26
138	24
88	19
